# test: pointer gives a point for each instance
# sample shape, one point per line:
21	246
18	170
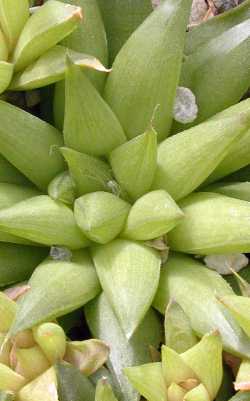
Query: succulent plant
124	196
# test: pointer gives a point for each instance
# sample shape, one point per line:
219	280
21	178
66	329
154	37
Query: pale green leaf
120	265
13	16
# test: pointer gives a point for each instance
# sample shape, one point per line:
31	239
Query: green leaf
176	392
226	388
8	311
198	393
17	262
241	175
89	173
134	163
151	216
196	289
242	381
101	216
183	174
10	194
43	30
239	308
228	219
13	16
73	385
214	27
43	220
90	37
10	380
51	67
148	380
238	155
146	71
178	332
238	190
57	288
119	266
174	367
90	125
62	188
30	150
104	391
9	174
6	71
219	70
121	19
44	388
241	396
205	359
123	353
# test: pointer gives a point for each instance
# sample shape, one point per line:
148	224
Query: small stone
185	107
60	253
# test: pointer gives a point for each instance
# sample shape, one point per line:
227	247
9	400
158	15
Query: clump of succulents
125	196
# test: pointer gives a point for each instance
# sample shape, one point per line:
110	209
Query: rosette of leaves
109	216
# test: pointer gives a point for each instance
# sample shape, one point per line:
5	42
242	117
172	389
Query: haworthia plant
104	324
56	288
90	125
119	266
155	62
196	289
33	147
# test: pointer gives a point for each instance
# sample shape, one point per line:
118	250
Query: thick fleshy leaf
239	308
214	27
195	288
134	163
148	380
176	392
123	353
52	340
198	393
121	19
10	380
9	174
51	67
152	215
120	265
13	16
10	194
241	396
205	359
174	367
17	262
6	72
44	388
73	385
57	288
101	216
242	381
63	188
90	125
206	213
32	148
44	29
145	75
178	332
202	71
181	175
89	173
29	362
104	391
43	220
238	155
239	190
88	356
7	311
226	388
90	38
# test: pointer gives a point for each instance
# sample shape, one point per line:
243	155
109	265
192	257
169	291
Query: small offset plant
124	202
